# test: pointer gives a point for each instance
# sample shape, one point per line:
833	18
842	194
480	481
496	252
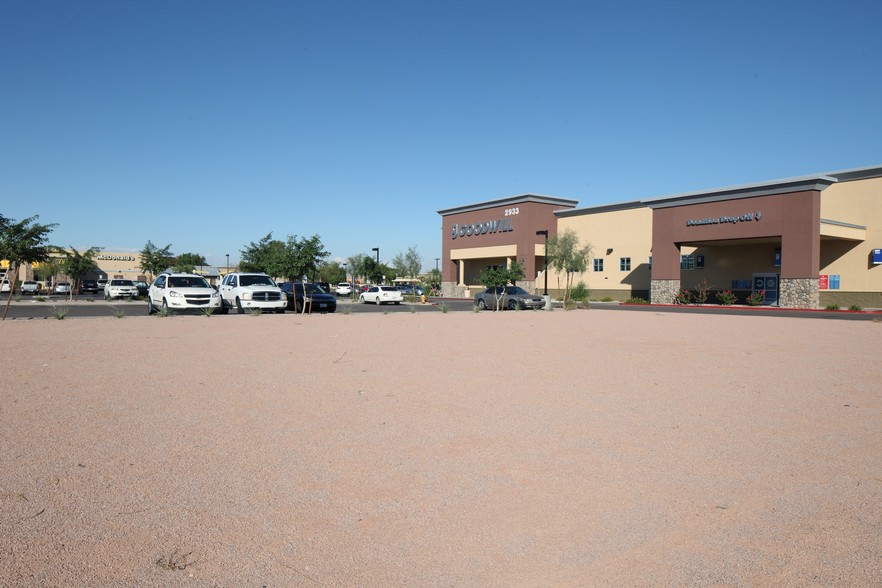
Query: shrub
701	292
636	300
606	299
726	297
756	298
832	307
580	292
59	312
854	307
683	297
207	310
443	308
119	314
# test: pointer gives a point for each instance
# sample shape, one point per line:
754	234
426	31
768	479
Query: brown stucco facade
496	233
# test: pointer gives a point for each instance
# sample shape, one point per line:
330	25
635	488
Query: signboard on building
823	282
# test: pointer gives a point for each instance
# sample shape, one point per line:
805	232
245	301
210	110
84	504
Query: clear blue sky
208	124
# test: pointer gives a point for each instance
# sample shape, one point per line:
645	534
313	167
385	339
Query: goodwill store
804	242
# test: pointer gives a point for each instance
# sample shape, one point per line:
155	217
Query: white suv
241	291
181	292
120	289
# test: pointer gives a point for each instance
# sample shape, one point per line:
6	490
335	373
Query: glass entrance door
769	284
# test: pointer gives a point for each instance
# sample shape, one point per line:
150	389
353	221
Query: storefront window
687	262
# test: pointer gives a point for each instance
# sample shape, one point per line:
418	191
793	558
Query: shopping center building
804	242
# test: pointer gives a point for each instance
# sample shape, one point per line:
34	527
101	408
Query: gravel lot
493	449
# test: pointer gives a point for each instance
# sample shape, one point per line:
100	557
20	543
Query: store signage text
722	220
115	257
496	226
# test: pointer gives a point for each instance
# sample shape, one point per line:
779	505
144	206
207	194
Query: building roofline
857	173
598	209
802	183
539	198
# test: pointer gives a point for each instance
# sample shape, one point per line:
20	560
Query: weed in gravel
59	312
443	308
207	311
119	314
255	311
175	561
346	310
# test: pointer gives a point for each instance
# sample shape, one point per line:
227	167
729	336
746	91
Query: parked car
411	290
142	286
30	287
61	288
510	297
247	290
381	295
88	287
102	282
119	288
4	286
320	300
344	289
181	292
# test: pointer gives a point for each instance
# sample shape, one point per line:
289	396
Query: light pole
545	257
228	263
377	249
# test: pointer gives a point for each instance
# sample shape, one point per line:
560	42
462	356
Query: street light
228	263
545	257
377	249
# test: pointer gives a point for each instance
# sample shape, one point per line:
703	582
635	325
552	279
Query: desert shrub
756	298
726	297
683	297
636	300
580	292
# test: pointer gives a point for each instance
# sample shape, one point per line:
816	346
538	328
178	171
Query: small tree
566	257
408	264
155	260
498	278
76	265
23	242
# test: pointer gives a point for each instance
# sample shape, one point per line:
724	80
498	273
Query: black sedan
317	300
509	297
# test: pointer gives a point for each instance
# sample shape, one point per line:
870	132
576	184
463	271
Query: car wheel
362	300
377	301
239	308
106	297
396	302
481	304
164	306
512	304
223	307
150	309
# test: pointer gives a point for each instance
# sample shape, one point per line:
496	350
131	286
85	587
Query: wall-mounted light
609	251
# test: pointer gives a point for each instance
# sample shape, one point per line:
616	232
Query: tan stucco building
804	242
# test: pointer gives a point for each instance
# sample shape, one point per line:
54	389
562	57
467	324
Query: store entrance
769	284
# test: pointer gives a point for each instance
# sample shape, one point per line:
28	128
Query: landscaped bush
854	307
756	298
636	300
683	297
580	292
726	297
832	307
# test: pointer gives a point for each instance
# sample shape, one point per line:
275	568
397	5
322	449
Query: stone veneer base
799	293
663	291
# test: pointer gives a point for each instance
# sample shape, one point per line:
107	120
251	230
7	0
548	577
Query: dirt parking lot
581	448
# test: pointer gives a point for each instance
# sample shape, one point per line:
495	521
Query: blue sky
208	124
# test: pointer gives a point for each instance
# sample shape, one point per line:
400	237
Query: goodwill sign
496	226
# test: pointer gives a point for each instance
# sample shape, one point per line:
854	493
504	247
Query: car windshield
315	289
256	281
187	282
121	283
516	291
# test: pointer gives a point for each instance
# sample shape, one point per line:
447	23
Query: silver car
510	297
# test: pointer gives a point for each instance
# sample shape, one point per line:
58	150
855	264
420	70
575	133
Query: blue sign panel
834	282
777	262
877	255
